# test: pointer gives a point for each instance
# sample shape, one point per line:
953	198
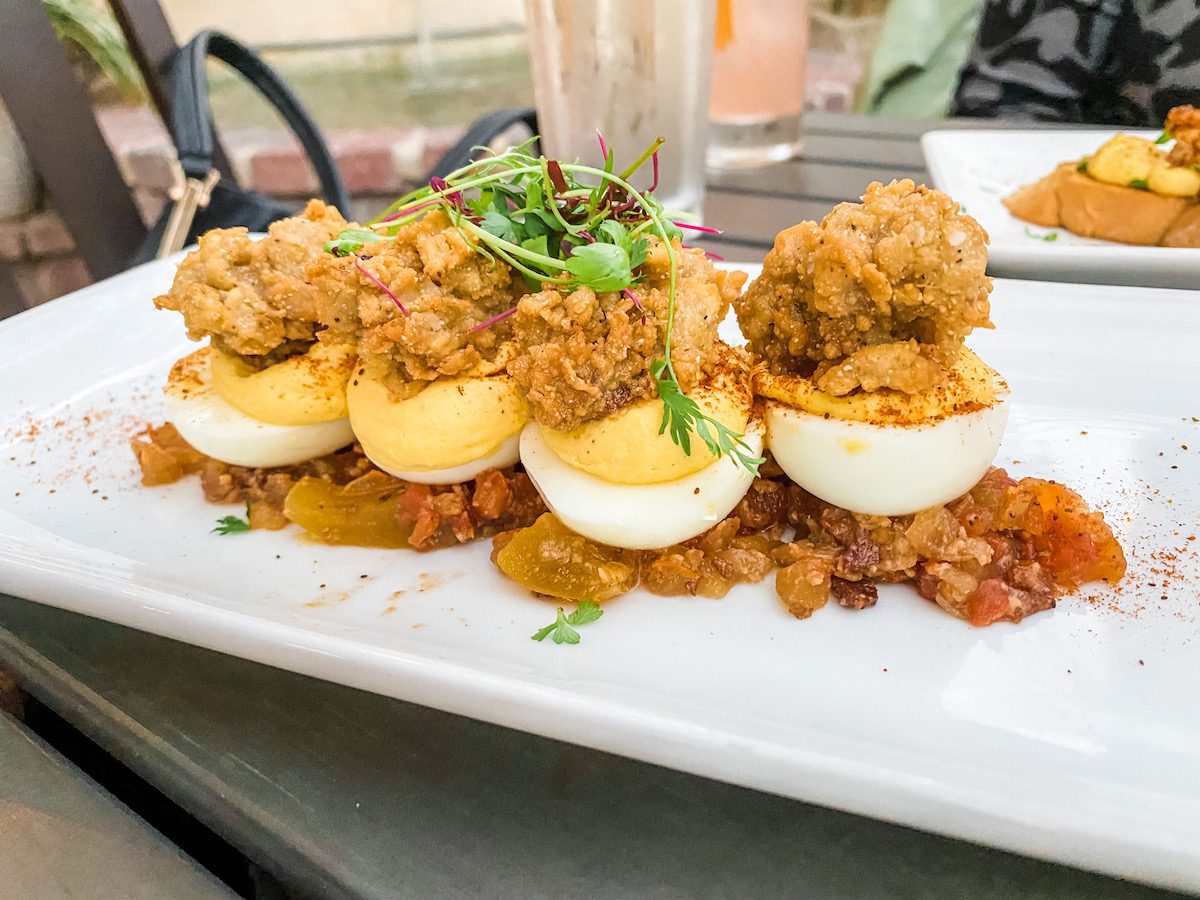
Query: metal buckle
189	195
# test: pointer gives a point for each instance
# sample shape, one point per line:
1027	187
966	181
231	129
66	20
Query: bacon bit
854	594
492	494
379	284
989	603
417	506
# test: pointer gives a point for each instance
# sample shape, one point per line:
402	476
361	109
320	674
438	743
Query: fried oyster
879	295
251	296
443	294
583	355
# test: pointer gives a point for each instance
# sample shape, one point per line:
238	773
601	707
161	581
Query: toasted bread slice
1184	231
1038	202
1091	208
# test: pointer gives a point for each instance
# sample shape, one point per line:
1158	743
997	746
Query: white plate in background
1073	736
980	168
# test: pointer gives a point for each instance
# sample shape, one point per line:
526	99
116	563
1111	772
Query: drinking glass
634	70
758	81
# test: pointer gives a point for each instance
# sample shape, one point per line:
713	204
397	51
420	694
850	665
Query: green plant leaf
561	630
82	23
682	417
602	267
351	240
537	244
587	611
500	225
233	524
1049	237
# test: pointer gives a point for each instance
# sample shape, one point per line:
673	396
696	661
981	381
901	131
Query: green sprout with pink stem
568	225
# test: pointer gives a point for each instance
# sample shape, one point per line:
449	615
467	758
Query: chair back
53	115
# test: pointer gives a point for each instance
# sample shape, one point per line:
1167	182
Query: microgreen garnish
1049	237
378	282
233	524
568	225
1140	183
682	416
561	630
1082	166
351	240
1163	138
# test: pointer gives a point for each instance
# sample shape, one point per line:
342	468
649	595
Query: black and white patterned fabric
1116	62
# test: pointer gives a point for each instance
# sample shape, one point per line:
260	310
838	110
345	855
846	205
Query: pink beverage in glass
634	70
758	81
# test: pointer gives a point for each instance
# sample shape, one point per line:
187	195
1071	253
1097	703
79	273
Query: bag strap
191	122
481	133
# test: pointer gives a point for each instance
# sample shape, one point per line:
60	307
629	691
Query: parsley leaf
1082	167
614	232
639	252
587	611
500	225
602	267
537	244
682	416
232	524
1049	237
1140	183
351	240
1163	138
560	630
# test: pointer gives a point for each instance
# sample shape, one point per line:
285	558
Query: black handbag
202	199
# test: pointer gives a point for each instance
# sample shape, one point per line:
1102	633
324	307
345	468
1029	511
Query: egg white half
885	470
218	429
636	516
507	454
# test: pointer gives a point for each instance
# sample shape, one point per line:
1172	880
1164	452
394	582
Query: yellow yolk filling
970	385
449	422
304	390
1131	161
626	447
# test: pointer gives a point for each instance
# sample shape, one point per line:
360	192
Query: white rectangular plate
1073	736
981	168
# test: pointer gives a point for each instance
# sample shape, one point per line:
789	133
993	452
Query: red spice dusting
82	445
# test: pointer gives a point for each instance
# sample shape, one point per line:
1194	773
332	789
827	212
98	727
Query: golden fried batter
583	355
249	296
446	287
1183	124
879	295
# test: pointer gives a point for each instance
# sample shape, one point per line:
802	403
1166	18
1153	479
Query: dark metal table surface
339	793
62	835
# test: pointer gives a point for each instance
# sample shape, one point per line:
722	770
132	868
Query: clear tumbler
634	70
758	81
